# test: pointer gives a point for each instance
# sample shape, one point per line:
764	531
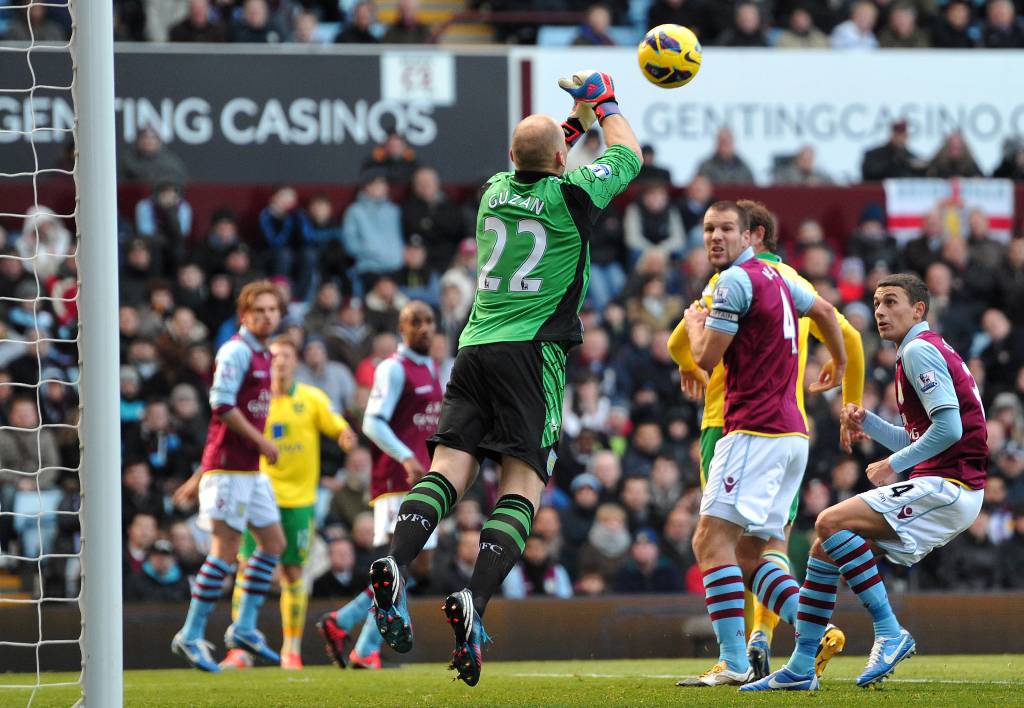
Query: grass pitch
996	680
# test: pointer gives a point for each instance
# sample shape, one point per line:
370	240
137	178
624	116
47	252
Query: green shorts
709	437
297	524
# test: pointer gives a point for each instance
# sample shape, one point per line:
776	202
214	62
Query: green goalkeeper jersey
533	263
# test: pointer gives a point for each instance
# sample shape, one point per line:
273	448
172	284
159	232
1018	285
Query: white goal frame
96	188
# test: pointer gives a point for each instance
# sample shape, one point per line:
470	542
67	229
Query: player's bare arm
707	345
347	439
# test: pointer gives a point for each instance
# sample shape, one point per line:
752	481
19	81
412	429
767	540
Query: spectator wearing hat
159	579
579	516
372	229
646	571
331	377
893	159
951	28
149	161
537	573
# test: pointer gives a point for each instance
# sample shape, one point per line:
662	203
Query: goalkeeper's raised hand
594	88
578	123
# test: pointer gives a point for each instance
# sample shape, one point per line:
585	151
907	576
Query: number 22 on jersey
519	282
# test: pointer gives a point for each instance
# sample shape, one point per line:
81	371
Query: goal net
60	617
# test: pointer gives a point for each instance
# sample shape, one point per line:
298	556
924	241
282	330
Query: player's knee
828	523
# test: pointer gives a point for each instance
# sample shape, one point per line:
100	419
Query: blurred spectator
304	31
348	337
383	302
547	524
951	29
692	207
254	25
858	31
26	448
636	500
537	573
359	29
950	314
129	21
594	30
1002	29
149	161
801	170
954	159
31	24
893	159
1012	165
154	440
407	28
190	420
688	13
1011	555
586	151
650	170
579	517
323	310
654	306
982	249
651	221
455	573
222	237
747	30
131	405
1000	348
870	242
372	228
416	279
607	254
646	571
331	377
801	32
292	248
45	240
393	158
1011	282
607	545
428	212
645	446
901	30
159	579
165	217
924	250
677	541
324	230
140	536
724	166
343	578
970	561
353	497
200	25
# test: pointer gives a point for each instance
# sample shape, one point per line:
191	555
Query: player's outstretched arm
824	315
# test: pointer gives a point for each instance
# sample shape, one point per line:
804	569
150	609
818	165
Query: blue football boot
470	636
251	641
885	654
784	680
390	610
196	652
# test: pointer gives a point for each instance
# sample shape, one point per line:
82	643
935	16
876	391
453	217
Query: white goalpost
30	98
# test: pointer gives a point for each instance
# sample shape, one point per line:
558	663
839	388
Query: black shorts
505	399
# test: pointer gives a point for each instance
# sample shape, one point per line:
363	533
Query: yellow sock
236	594
293	614
750	605
764	619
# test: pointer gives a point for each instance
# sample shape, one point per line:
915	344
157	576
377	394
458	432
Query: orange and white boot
371	661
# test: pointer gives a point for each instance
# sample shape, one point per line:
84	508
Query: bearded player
504	400
759	462
928	491
761	619
233	493
401	415
299	415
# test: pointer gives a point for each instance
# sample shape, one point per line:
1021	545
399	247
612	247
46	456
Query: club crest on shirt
927	381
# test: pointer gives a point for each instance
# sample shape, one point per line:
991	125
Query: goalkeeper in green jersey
504	400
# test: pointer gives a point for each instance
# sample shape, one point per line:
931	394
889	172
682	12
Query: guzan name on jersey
533	240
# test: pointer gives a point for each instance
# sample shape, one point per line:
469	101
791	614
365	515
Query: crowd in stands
840	24
621	510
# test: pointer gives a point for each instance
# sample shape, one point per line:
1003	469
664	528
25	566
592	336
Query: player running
943	444
504	400
761	620
759	463
299	415
401	415
233	493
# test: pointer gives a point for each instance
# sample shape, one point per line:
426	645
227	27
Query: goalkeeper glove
579	122
594	88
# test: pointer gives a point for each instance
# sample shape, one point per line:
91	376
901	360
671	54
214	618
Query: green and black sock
423	507
501	544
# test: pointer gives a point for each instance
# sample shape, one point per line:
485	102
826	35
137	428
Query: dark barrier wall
600	628
282	116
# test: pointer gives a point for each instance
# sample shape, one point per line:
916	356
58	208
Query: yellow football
669	56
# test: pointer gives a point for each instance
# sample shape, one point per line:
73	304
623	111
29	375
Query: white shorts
385	516
239	500
925	512
752	481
